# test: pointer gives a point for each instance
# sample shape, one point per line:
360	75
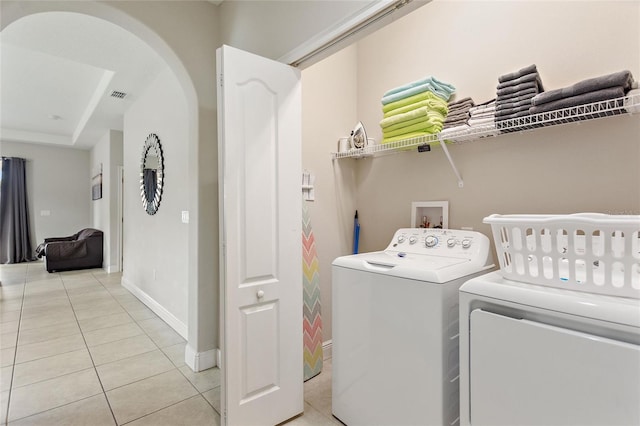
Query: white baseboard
110	269
199	361
158	309
326	349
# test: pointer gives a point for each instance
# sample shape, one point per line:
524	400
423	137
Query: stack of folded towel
596	89
415	109
482	117
458	113
481	123
514	93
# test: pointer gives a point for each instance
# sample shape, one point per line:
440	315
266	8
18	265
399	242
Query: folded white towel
481	121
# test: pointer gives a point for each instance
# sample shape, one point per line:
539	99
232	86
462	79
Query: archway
195	74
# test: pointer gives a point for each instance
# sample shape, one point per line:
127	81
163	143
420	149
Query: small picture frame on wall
430	214
96	185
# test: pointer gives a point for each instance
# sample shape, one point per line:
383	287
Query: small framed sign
96	185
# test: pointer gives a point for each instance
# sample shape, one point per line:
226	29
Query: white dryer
395	327
534	355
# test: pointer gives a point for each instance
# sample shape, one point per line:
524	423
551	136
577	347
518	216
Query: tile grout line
95	370
15	350
155	375
135	321
174	366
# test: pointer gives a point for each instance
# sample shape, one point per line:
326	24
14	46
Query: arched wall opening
195	74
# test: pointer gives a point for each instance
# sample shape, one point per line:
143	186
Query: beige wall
273	28
590	166
328	113
106	155
184	34
58	181
579	167
156	246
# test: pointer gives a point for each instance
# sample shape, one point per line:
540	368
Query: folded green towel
409	115
432	117
405	123
430	126
436	102
407	136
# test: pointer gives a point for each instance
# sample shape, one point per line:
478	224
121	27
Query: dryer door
529	373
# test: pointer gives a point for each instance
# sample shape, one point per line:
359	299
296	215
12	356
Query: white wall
106	155
58	181
591	166
156	246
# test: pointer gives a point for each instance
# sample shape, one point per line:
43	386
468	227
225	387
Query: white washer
534	355
395	327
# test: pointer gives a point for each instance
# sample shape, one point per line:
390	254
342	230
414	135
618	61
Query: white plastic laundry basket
590	252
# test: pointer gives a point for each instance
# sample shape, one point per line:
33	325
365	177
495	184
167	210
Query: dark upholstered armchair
79	251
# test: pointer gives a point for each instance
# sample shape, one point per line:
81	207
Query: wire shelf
625	105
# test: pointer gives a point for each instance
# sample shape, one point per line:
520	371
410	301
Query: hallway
77	348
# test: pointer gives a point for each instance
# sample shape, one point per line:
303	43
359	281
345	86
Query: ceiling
57	73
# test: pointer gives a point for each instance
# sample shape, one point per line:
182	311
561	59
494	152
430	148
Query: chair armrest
57	239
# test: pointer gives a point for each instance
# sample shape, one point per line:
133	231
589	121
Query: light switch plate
185	216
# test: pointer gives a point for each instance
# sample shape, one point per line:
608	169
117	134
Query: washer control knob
401	239
466	243
413	239
430	241
451	242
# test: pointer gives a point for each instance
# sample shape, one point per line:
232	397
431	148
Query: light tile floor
77	348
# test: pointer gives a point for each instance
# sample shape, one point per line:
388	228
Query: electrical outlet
45	212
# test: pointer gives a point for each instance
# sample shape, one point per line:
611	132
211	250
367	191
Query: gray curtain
15	235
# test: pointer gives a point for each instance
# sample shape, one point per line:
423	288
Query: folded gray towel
454	124
456	111
510	111
462	101
458	115
506	104
512	116
518	96
584	98
623	79
520	87
534	76
512	76
464	107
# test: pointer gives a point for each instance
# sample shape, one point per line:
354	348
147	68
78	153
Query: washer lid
434	269
620	310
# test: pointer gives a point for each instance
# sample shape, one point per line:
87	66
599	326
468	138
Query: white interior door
259	119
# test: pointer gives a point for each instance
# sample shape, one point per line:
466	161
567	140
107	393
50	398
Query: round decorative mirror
151	174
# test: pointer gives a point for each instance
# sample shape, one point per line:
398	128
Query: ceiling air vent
119	95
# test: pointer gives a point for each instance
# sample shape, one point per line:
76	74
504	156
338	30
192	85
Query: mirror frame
152	142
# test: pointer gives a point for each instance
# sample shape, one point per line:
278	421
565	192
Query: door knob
260	294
